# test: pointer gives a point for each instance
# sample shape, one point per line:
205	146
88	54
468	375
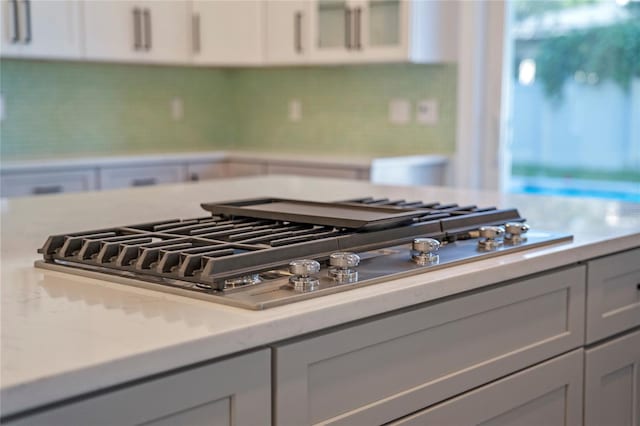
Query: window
575	98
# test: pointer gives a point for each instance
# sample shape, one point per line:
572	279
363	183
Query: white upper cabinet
40	28
129	30
288	34
227	32
352	31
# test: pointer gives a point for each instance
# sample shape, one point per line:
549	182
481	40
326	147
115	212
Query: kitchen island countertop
64	335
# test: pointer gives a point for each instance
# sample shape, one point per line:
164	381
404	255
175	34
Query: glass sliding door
575	98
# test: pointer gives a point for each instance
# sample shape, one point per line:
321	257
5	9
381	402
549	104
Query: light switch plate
177	109
427	112
399	111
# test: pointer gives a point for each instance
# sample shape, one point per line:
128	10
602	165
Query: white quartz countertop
64	335
336	161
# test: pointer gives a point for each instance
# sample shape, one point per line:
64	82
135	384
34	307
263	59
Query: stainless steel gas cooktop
266	252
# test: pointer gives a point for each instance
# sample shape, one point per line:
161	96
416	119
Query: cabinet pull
16	22
144	182
357	28
27	15
196	32
297	30
147	28
49	189
347	28
137	34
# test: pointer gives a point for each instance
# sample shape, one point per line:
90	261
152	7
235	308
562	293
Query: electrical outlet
427	112
177	109
399	111
295	110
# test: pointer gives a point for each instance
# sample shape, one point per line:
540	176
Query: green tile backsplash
67	108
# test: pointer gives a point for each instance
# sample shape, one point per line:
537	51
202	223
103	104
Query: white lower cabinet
548	394
204	171
43	183
122	177
344	173
381	370
613	284
612	382
235	391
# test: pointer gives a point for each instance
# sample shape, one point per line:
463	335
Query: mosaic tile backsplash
67	108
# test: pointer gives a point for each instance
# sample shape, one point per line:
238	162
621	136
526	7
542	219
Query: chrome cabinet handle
16	22
144	182
137	33
357	27
146	14
297	32
48	189
196	32
347	28
27	14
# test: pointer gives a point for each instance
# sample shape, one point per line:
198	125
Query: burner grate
207	250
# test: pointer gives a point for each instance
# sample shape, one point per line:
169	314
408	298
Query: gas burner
266	252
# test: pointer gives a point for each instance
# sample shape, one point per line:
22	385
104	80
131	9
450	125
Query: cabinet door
144	31
113	30
548	394
283	169
203	171
166	30
235	392
228	32
288	33
332	31
612	382
123	177
43	183
613	304
383	369
383	27
40	28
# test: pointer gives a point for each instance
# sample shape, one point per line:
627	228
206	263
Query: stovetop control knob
514	232
425	250
342	267
490	237
301	270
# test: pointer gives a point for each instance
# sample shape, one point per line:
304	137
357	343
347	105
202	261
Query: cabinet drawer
612	382
383	369
548	394
19	184
235	168
613	303
280	169
203	171
123	177
234	391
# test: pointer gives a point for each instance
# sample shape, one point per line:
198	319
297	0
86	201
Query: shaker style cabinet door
288	35
378	371
231	392
612	382
613	288
548	394
140	31
227	32
40	28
